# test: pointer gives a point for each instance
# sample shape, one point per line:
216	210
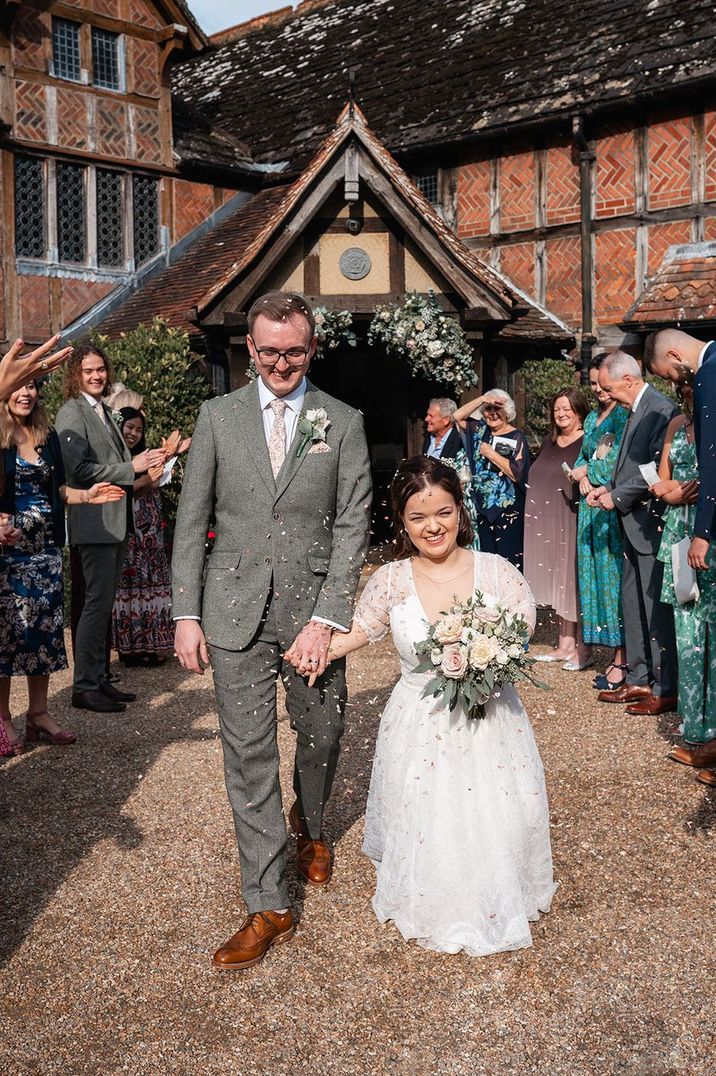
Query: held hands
16	370
673	492
150	458
578	473
308	652
595	495
190	646
585	487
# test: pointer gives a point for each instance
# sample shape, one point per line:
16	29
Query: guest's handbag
685	586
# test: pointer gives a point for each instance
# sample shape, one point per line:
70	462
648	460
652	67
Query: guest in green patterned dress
599	540
695	622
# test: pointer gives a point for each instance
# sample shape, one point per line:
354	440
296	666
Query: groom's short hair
279	305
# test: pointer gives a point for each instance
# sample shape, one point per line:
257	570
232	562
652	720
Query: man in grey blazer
281	471
93	450
651	681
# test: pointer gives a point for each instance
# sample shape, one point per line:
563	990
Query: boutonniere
118	418
313	427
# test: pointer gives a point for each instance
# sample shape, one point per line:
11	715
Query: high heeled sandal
37	734
9	748
603	683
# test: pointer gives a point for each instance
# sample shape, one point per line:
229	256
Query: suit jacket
705	433
642	441
304	534
51	454
451	445
93	453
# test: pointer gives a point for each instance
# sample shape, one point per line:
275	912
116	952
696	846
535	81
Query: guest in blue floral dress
599	541
499	461
33	495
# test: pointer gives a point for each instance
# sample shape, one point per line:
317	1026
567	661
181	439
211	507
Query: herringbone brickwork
30	112
615	174
72	128
517	262
710	155
147	143
563	292
144	14
142	67
669	163
517	192
473	199
662	236
562	201
193	203
112	128
710	228
80	295
35	307
615	266
104	7
30	31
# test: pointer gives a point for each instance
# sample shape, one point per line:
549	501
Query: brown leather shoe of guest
704	755
626	693
707	777
313	859
655	704
253	939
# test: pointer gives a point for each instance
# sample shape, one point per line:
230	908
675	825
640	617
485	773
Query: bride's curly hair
417	474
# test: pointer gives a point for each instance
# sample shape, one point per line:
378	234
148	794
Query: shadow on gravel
57	803
703	818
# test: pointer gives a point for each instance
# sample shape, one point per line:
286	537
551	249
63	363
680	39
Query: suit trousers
101	568
648	623
245	684
77	604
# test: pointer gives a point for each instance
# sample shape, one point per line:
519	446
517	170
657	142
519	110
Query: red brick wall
669	150
710	228
517	192
30	37
710	154
563	294
562	201
193	203
35	307
662	236
79	296
615	266
615	174
473	199
517	261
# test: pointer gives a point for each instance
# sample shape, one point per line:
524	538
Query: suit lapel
633	421
252	430
99	425
293	462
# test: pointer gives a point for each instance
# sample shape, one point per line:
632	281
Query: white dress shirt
96	405
638	398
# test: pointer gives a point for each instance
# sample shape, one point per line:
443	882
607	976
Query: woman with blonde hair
33	495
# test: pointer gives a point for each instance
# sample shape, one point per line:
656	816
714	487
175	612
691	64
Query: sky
213	15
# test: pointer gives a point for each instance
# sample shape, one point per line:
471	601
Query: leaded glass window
71	243
428	184
66	49
110	224
29	208
146	218
105	59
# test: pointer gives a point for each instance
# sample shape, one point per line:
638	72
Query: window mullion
129	221
91	216
53	246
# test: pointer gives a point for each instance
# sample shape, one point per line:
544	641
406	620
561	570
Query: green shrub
542	378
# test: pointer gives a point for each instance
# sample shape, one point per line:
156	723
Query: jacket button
267	560
276	516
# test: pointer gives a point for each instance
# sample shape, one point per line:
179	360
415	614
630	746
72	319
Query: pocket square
320	446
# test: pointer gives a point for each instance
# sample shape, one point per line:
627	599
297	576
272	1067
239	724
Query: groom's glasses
294	356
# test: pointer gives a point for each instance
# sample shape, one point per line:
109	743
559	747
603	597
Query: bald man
678	357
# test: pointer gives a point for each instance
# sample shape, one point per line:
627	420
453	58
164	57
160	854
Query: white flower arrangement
312	427
333	329
433	344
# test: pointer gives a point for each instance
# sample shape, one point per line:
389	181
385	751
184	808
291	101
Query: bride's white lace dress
457	822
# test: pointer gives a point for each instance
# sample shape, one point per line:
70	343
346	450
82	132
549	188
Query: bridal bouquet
474	648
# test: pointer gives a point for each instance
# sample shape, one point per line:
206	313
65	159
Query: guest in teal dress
695	621
599	541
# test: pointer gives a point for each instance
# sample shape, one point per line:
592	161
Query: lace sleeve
512	590
372	614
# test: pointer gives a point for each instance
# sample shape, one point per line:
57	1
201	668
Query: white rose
485	615
515	651
385	315
319	319
454	662
436	656
501	657
448	629
482	651
435	349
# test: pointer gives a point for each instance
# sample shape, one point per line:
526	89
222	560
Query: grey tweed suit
286	549
94	452
648	622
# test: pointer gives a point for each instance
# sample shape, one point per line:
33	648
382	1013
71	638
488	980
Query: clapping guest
551	526
442	439
142	629
599	540
650	686
499	461
33	494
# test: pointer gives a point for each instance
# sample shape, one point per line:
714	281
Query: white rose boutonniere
313	427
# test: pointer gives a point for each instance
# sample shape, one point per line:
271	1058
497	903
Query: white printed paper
649	473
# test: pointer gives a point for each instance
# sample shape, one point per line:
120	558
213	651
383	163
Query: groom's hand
190	646
309	650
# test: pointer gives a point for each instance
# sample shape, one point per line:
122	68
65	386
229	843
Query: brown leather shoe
626	693
707	777
313	859
253	939
654	704
704	755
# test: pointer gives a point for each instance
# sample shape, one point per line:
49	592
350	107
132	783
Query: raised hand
16	370
104	492
151	457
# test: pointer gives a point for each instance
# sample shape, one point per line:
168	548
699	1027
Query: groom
282	472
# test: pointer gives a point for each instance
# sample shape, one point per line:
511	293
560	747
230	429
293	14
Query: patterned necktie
99	411
277	440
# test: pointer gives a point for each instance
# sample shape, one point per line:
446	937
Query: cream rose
484	614
482	651
454	662
501	657
515	651
448	629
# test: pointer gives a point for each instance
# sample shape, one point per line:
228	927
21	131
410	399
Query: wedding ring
43	364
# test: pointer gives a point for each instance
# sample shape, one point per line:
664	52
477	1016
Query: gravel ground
121	877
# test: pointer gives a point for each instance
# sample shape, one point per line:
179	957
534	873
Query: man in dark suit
648	622
93	450
678	357
442	440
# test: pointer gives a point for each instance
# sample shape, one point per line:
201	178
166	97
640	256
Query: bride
457	823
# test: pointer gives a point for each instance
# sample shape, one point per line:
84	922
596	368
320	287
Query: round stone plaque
355	263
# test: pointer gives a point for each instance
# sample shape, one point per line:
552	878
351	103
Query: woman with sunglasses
499	461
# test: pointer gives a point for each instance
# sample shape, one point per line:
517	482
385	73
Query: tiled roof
431	72
682	291
176	290
198	141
